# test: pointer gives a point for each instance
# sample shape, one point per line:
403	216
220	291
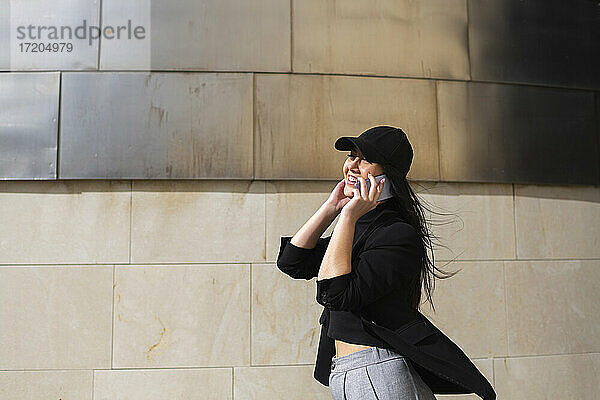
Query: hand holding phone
386	193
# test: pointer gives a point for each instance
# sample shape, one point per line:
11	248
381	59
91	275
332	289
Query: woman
382	281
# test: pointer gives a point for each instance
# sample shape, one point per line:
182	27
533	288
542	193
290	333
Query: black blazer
442	365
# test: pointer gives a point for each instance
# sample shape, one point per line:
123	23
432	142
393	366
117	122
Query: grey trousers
376	374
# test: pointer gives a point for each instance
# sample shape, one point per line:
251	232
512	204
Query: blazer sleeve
385	264
299	262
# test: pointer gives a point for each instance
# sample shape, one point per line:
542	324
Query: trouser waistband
363	357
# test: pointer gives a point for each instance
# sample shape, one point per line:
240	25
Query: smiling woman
369	277
355	167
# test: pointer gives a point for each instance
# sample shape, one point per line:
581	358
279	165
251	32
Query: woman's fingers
363	187
380	187
374	188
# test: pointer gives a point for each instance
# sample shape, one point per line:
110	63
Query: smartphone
386	193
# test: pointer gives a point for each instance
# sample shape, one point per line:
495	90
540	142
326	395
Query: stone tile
470	307
486	368
160	384
299	117
388	37
285	318
231	35
35	385
557	221
271	383
476	220
569	376
289	205
182	316
55	317
553	307
198	221
64	222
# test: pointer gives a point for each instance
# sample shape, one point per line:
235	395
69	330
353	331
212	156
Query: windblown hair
412	210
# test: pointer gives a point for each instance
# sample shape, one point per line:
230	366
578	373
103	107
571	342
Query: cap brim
350	142
345	143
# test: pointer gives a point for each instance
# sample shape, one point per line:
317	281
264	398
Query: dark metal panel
28	125
597	98
120	52
553	42
425	38
298	118
4	35
514	133
223	35
158	125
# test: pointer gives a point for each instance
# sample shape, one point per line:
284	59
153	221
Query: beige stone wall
168	289
155	290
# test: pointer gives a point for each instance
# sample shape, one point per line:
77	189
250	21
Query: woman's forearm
308	235
338	257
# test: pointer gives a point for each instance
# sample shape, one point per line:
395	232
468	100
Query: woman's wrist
329	210
347	219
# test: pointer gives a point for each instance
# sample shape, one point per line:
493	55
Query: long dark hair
411	209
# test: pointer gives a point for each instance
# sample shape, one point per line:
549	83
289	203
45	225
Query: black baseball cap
382	144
